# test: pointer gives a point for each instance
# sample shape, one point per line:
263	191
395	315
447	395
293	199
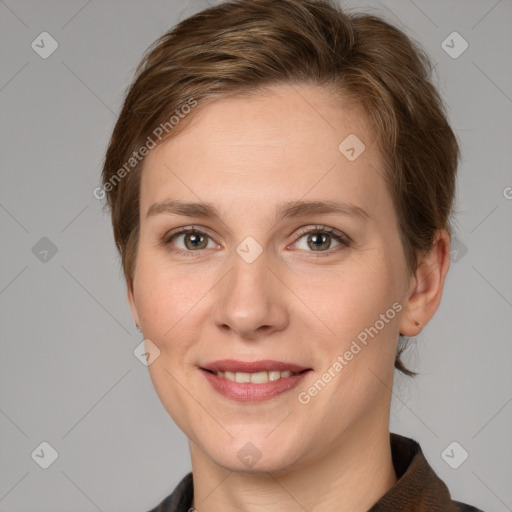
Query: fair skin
295	302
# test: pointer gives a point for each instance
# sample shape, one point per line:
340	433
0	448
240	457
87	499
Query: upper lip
231	365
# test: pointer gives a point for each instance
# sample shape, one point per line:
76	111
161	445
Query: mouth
253	381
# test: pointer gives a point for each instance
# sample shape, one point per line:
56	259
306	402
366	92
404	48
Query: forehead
281	145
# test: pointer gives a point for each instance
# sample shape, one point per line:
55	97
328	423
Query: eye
320	239
188	240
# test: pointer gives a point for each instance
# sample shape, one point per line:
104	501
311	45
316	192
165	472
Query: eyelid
321	228
186	229
166	239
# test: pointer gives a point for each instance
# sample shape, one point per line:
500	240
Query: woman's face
271	273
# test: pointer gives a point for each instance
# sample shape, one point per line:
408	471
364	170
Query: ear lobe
427	285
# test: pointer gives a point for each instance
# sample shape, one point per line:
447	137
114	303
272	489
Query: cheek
363	311
355	299
163	298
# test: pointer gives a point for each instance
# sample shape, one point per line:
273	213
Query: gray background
68	373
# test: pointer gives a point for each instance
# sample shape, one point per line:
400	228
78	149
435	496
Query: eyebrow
286	210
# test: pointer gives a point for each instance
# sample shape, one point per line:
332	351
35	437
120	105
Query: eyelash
343	239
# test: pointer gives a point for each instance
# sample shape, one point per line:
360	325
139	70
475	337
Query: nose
251	300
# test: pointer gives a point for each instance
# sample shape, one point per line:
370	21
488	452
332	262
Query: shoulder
180	500
418	488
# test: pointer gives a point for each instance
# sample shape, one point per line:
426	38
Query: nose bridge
249	301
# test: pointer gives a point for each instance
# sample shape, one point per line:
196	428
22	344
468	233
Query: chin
254	454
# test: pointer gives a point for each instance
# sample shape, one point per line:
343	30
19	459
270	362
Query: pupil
319	237
194	239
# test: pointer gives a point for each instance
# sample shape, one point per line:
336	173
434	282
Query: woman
280	181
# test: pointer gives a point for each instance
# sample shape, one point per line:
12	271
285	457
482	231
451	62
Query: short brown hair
242	46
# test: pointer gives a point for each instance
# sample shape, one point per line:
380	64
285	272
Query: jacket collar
418	488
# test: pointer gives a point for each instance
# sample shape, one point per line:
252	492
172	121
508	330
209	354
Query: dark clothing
418	488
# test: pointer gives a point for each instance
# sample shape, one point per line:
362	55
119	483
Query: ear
131	302
426	288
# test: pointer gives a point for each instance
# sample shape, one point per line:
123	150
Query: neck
351	476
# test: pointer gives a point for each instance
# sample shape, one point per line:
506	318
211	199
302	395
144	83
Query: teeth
274	375
258	377
242	377
255	378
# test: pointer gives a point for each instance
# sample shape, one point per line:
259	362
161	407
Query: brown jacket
418	488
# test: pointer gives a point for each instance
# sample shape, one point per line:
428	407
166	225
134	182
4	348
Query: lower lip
249	392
